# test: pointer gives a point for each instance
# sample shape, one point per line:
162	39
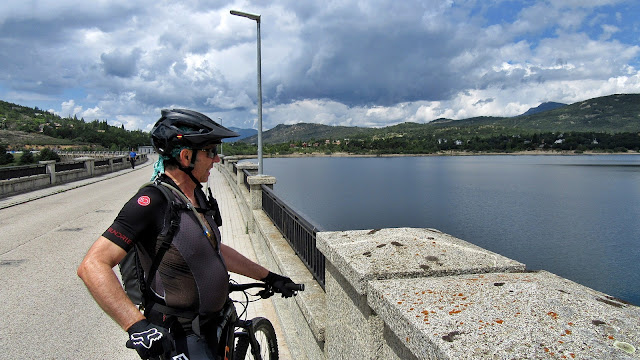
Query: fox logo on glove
146	338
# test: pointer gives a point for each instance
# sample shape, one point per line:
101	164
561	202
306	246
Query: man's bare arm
239	264
96	270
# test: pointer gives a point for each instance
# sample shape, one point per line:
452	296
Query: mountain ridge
612	113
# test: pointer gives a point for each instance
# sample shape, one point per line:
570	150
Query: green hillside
24	127
608	123
609	114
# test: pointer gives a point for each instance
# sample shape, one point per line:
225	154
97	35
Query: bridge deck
44	295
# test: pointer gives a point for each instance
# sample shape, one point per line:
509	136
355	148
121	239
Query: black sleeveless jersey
192	275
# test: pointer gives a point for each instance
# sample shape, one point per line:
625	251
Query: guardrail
10	172
298	232
72	165
19	179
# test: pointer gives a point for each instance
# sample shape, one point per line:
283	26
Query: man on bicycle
190	285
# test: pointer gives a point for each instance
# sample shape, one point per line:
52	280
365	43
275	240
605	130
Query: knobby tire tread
260	325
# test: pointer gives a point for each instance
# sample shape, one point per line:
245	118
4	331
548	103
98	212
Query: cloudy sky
335	62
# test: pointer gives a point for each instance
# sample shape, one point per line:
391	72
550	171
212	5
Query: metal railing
101	162
298	231
69	166
11	172
246	175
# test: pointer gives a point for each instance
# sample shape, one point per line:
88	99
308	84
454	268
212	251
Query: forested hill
608	114
22	126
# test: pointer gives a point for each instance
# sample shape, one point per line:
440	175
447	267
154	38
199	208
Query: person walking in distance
132	158
191	283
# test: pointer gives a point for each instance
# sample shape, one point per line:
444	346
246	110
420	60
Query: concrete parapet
23	184
504	316
228	163
363	255
355	258
255	186
240	173
51	169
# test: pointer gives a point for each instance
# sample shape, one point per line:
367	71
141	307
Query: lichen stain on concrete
626	347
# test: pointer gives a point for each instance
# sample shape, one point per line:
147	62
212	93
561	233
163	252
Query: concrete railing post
255	186
241	167
255	194
228	163
51	169
89	166
111	164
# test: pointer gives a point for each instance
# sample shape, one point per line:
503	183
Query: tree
26	158
48	154
5	158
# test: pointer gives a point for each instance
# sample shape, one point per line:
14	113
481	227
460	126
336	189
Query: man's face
204	162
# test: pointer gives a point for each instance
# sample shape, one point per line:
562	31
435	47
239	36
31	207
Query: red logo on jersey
144	200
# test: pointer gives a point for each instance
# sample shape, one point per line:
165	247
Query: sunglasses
212	152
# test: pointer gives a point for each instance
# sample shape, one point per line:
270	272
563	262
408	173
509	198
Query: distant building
145	150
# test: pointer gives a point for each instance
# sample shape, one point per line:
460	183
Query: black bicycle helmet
181	127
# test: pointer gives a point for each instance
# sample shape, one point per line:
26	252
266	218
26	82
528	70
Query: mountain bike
248	338
233	336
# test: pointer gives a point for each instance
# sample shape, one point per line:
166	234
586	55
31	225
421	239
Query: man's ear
185	157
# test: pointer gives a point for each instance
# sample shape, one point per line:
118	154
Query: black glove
278	283
149	339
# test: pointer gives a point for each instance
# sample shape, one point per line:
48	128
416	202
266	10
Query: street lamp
257	20
220	140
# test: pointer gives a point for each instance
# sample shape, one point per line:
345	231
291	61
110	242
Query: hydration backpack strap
172	223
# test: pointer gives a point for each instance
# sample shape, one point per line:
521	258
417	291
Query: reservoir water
575	216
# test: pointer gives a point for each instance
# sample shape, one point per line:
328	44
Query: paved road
46	312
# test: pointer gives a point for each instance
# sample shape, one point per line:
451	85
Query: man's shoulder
150	196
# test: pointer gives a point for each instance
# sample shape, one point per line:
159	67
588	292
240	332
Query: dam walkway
44	235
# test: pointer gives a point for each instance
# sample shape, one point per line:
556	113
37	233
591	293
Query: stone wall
19	185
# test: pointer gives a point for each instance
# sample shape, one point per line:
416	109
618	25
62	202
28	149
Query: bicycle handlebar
242	287
294	287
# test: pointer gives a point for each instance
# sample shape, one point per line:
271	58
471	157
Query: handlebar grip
294	287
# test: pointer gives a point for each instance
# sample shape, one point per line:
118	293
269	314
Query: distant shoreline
448	153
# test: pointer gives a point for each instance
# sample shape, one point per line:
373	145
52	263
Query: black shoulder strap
165	237
210	204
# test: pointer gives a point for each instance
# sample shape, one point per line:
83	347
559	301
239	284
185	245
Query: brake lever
266	293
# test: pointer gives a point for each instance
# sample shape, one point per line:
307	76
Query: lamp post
257	20
220	140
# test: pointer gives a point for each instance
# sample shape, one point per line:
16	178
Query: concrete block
364	255
353	331
506	316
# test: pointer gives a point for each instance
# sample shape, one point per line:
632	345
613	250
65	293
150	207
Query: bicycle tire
266	338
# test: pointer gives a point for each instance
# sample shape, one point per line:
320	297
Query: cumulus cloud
343	62
121	64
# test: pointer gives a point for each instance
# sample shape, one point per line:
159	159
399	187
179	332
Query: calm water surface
575	216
